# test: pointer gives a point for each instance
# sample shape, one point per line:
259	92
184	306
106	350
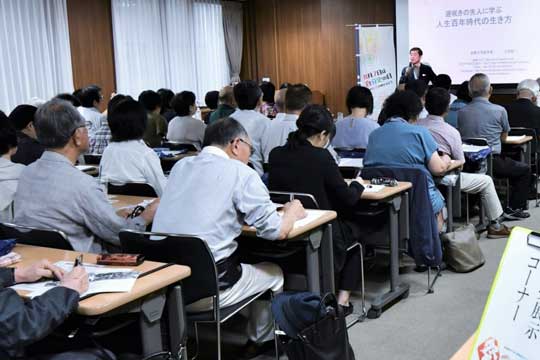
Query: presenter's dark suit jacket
523	113
426	74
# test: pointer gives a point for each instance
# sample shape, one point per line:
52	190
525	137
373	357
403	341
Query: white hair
479	85
528	88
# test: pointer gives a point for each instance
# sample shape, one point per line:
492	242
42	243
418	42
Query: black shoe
347	309
253	349
517	214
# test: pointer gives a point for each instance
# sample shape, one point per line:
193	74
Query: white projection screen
463	37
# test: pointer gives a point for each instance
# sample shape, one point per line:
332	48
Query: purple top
447	137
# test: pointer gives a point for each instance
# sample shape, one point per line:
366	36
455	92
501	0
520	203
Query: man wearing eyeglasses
211	196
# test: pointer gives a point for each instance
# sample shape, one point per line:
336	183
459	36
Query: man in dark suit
416	70
523	112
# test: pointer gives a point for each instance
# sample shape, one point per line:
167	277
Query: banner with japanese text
377	62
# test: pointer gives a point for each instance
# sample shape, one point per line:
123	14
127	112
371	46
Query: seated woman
9	171
353	131
184	128
127	159
304	165
400	144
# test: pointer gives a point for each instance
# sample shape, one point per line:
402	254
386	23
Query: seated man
90	98
279	103
156	127
226	105
53	193
248	96
524	112
28	149
211	196
449	142
483	119
25	322
297	97
420	88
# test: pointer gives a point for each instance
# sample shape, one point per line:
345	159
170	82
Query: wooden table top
464	351
103	303
385	193
121	201
179	156
522	141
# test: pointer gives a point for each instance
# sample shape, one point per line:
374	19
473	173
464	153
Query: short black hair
418	86
90	94
166	97
437	101
127	121
247	94
211	99
360	97
117	99
182	101
68	97
417	49
8	135
223	131
463	92
297	97
22	115
150	100
443	81
404	104
269	90
313	120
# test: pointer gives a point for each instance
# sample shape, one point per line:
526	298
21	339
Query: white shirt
93	119
277	133
9	177
186	130
132	161
256	125
211	196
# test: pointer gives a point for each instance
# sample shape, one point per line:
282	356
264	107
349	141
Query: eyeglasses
251	148
78	127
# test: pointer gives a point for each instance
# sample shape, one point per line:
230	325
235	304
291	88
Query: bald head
279	100
479	85
226	96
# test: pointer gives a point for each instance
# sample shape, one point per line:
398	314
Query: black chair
179	146
92	159
203	282
518	131
135	189
35	236
351	152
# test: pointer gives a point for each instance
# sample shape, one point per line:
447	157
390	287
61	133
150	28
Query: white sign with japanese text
510	325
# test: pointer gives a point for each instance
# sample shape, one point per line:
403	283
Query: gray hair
222	132
279	100
479	85
528	88
55	122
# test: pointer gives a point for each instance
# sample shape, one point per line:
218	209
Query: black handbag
326	339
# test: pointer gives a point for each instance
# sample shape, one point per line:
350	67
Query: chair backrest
50	238
307	200
92	159
475	141
518	131
136	189
178	249
351	152
179	146
349	172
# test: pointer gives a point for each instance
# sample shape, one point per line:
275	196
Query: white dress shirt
9	177
211	196
132	161
278	132
186	130
93	119
256	125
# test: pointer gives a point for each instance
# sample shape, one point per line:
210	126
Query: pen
78	260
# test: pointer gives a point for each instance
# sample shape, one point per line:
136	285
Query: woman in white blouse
127	159
184	128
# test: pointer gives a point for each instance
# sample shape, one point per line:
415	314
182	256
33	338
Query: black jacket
25	322
523	113
28	150
426	74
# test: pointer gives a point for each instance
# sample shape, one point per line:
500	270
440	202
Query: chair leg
218	332
363	315
431	285
467	206
196	341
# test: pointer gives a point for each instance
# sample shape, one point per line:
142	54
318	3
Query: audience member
9	171
69	97
524	112
28	149
184	128
420	88
156	127
167	111
279	103
304	165
483	119
128	159
248	96
398	143
53	193
416	69
227	104
102	137
267	105
90	98
445	81
463	98
211	100
24	322
223	194
449	141
297	97
352	132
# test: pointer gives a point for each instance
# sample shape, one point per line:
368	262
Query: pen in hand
78	260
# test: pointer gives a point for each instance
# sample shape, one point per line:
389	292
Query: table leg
177	323
450	208
404	231
312	264
327	260
396	290
150	324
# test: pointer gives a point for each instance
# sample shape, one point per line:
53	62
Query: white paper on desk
312	215
85	167
143	204
373	188
351	162
101	279
171	152
473	148
515	138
